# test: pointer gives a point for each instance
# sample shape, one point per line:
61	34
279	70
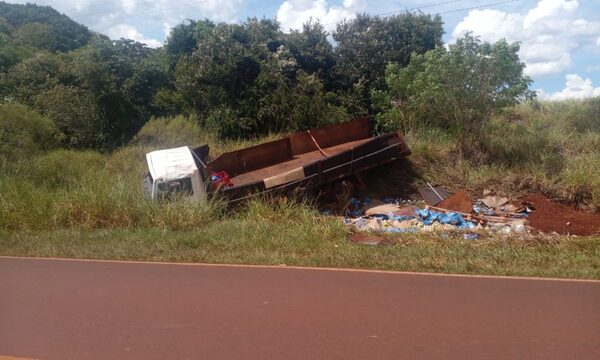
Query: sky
560	39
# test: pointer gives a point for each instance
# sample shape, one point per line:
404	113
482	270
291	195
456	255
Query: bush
63	169
457	89
580	182
25	133
581	115
76	114
174	131
532	147
226	124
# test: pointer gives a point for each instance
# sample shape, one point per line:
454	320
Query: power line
443	12
410	9
430	5
98	5
451	11
421	7
480	6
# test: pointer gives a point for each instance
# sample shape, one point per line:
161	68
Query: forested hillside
26	29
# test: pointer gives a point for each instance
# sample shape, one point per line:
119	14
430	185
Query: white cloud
576	87
167	28
129	32
293	13
548	33
549	8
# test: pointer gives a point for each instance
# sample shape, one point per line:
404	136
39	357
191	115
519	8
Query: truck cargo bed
306	159
295	162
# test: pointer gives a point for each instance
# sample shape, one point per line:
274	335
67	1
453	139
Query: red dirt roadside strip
70	309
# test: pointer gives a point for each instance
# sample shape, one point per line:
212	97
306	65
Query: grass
87	204
547	147
276	243
280	231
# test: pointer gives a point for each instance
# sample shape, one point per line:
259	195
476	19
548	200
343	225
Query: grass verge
321	244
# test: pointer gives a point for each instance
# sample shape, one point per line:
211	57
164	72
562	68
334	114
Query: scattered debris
460	202
494	202
451	212
492	213
387	209
433	195
220	179
471	236
406	211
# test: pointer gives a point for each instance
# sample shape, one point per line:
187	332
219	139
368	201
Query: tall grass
548	147
91	190
68	188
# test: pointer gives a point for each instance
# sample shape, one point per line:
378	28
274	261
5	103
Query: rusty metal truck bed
308	158
295	162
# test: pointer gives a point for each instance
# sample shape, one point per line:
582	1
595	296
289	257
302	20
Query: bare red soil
550	216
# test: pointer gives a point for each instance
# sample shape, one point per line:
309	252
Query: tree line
251	78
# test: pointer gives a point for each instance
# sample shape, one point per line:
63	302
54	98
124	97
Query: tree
222	70
37	35
310	50
32	76
66	34
457	89
367	43
12	53
75	114
183	38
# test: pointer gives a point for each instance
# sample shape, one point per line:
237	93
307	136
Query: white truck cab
174	172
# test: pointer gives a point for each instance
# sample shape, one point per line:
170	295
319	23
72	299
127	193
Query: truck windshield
179	187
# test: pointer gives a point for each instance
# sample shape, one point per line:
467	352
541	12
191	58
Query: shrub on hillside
25	133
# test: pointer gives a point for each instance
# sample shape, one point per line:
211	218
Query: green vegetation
237	80
301	238
457	89
79	112
547	147
25	133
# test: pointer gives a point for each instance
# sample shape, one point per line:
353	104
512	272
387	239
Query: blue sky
560	38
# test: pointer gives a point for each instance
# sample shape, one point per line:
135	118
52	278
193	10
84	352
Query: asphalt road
57	309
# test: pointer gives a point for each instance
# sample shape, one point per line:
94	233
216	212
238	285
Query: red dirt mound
550	216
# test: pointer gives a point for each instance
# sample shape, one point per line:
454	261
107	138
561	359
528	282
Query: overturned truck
303	160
